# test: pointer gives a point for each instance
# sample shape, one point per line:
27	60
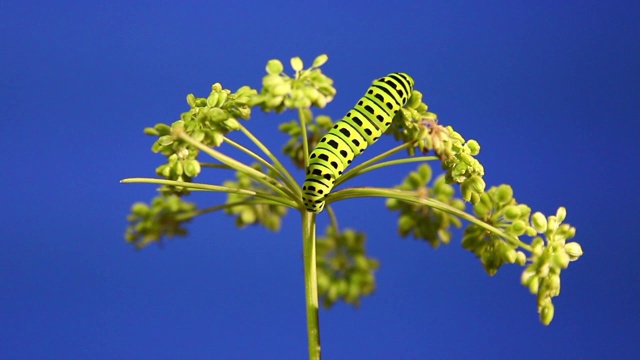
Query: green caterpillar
349	137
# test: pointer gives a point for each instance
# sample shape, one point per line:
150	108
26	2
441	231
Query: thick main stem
311	283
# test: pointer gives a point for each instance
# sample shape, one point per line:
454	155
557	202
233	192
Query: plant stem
206	187
311	283
305	118
413	197
356	169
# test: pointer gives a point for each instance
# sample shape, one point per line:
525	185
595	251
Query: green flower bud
504	194
217	139
353	291
360	262
466	191
296	64
561	214
466	158
552	223
533	284
311	93
217	87
139	209
212	100
343	287
546	313
414	180
392	203
191	100
232	124
269	81
530	231
192	168
334	292
425	173
151	131
560	259
573	250
177	167
323	281
543	270
320	60
405	224
521	258
274	67
539	222
222	97
474	147
511	212
510	256
247	215
537	243
481	209
281	89
485	199
414	100
518	227
164	171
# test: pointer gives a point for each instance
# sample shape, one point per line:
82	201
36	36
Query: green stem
215	166
207	187
366	169
189	215
305	118
251	153
357	169
238	166
413	197
311	283
332	217
284	173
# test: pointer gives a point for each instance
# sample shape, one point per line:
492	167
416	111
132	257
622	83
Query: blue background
550	89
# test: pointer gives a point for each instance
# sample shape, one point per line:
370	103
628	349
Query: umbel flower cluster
498	230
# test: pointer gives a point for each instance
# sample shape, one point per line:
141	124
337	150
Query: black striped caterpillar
350	136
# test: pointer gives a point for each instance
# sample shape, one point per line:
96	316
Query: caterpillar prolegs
350	136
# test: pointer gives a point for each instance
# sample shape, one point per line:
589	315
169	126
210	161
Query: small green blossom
250	212
423	222
164	217
294	148
306	88
344	271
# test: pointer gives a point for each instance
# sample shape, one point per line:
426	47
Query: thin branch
189	185
282	170
356	169
249	171
413	197
305	118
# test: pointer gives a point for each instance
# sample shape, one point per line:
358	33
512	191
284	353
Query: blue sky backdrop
550	89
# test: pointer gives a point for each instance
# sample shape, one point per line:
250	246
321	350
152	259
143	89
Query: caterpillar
350	136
